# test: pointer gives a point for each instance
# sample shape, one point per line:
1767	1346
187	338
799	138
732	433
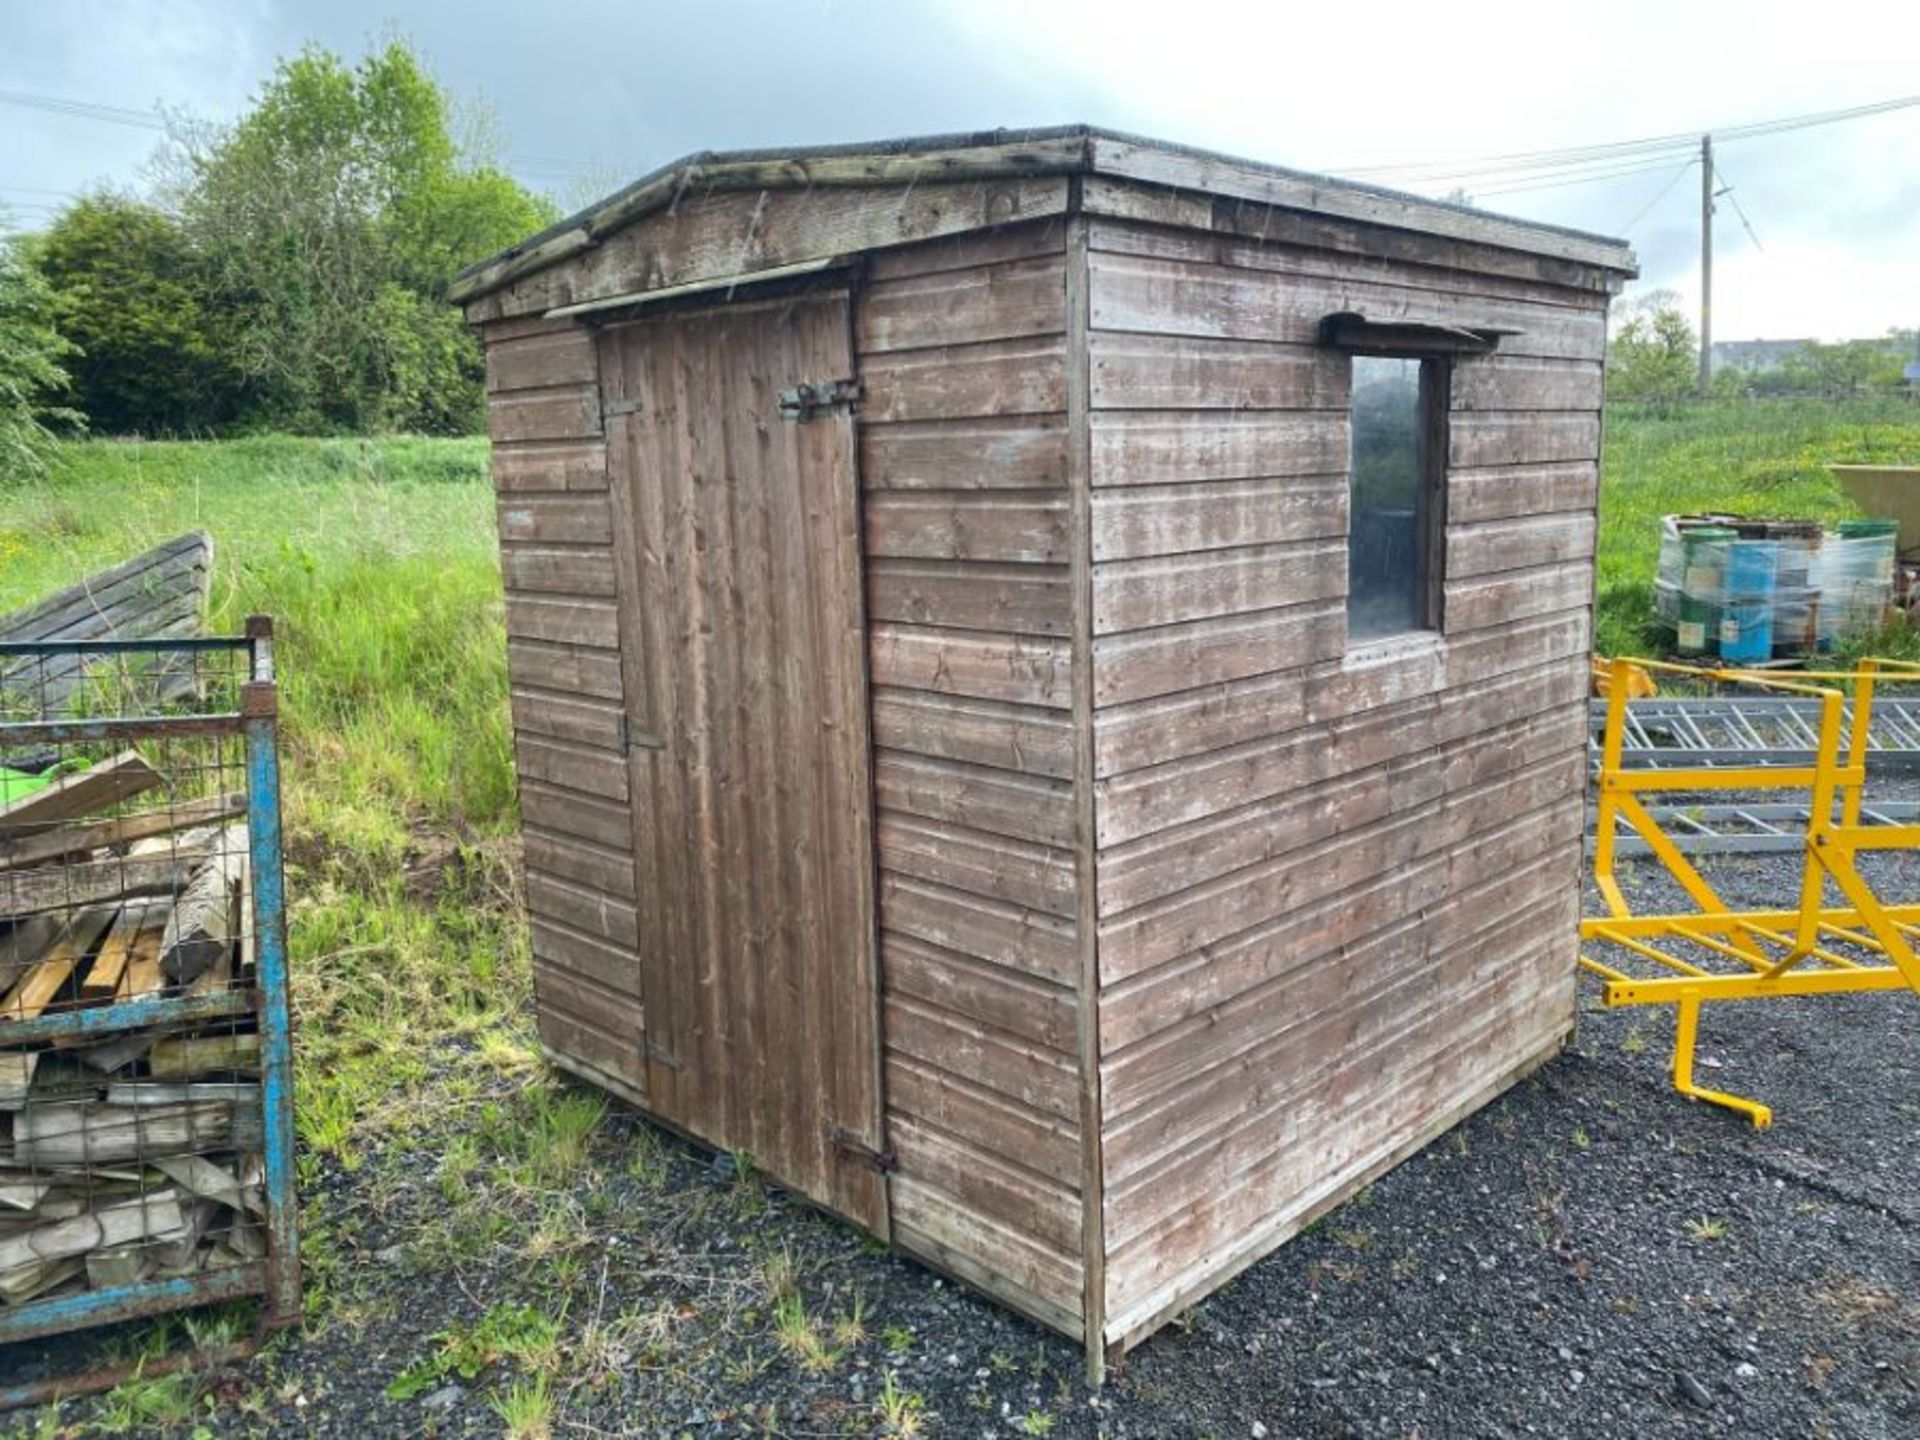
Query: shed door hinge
611	408
816	397
632	737
847	1142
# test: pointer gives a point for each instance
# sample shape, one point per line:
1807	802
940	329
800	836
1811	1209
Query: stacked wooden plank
161	594
132	1153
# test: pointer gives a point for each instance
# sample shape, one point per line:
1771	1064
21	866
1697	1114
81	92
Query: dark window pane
1387	528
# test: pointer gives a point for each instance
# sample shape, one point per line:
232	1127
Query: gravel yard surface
1589	1256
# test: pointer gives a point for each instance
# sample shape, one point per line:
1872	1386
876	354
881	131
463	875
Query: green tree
328	220
32	380
1653	353
126	288
1849	367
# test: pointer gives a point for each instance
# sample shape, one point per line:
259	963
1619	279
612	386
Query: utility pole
1706	265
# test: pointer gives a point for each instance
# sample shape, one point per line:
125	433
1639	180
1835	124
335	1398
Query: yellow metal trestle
1717	953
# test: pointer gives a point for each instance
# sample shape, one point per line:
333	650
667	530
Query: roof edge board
1065	150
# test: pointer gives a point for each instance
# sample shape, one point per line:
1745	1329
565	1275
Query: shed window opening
1394	502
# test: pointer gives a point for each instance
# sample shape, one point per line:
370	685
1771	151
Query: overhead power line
1544	163
1658	196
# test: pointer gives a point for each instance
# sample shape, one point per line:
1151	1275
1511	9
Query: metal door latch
816	397
845	1140
632	737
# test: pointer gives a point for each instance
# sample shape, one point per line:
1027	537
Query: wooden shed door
745	664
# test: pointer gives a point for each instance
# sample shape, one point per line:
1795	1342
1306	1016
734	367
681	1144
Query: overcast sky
588	93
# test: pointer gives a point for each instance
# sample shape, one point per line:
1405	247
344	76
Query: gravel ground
1589	1256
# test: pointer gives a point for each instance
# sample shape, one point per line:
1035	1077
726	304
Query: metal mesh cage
144	1114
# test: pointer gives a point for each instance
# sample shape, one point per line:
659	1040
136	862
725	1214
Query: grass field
377	560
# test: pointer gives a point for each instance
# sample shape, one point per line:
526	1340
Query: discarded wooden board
161	593
73	796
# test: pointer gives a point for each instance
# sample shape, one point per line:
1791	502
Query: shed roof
1059	150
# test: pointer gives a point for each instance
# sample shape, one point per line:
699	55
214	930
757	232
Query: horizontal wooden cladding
1014	937
1038	878
1026	738
1131	522
1188	295
986	1182
983	1251
563	412
971	250
562	622
1140	593
1018	669
1197	653
560	356
1295	756
1327	964
1489	546
1377	1013
1402	779
1174	447
553	807
1042	1079
1499	382
1033	1010
1299	1154
1522	438
1168	997
589	770
611	967
1182	372
1518	595
585	1024
585	720
1510	492
970	595
990	525
976	1116
1005	301
710	236
598	867
1027	452
596	915
1002	377
1147	935
536	465
565	668
555	520
552	569
1008	803
1191	722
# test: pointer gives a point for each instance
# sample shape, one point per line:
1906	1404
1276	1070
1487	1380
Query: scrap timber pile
128	1152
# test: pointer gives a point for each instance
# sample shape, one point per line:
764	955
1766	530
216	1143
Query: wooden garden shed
1049	673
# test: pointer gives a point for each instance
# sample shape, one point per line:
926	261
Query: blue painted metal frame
277	1279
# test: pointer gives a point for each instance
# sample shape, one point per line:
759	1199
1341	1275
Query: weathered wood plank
1522	438
1018	669
969	250
1040	1079
584	720
1509	492
1167	589
1025	738
988	994
591	623
1518	595
982	1119
1025	941
76	796
572	767
1005	301
970	595
1019	806
1491	546
1183	372
986	1182
555	520
1033	877
1130	522
549	465
1026	452
541	361
605	822
1000	378
1497	382
991	525
999	1259
566	412
1182	657
560	666
1179	447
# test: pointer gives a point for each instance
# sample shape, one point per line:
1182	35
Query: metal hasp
805	401
1718	953
251	727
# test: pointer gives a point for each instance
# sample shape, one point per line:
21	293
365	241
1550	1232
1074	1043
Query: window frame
1435	404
